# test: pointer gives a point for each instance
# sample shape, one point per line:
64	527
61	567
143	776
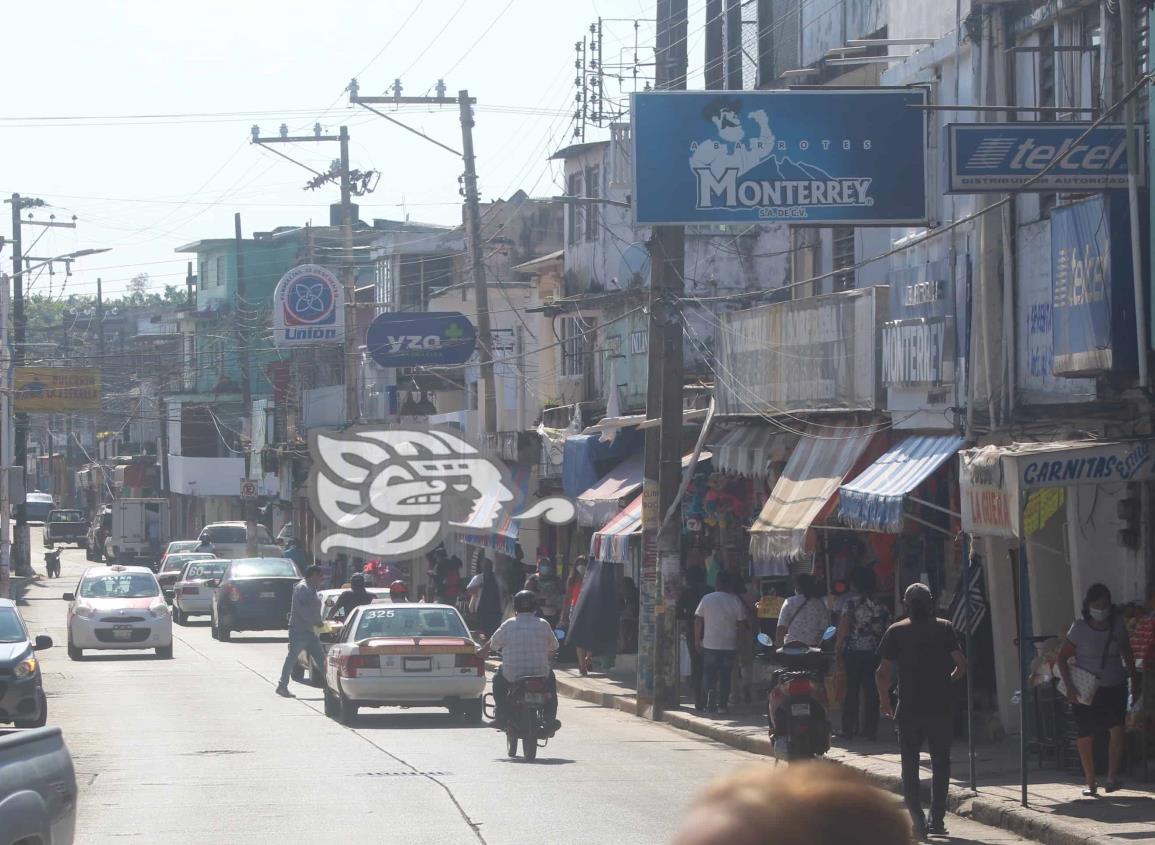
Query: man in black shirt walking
926	654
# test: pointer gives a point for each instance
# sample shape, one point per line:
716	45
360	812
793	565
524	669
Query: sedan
172	566
22	698
117	607
404	655
333	620
177	547
254	594
192	595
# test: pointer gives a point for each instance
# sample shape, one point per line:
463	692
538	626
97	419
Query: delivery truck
139	533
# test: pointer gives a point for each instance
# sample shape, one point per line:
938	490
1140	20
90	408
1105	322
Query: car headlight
83	611
159	610
25	668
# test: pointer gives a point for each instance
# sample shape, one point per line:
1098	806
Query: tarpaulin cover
874	500
587	458
817	466
612	543
597	614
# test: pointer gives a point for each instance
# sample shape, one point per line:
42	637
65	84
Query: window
11	628
263	568
127	586
220	269
592	210
842	256
1046	95
640	342
576	216
573	346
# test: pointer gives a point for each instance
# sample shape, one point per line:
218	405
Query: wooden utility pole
242	317
658	652
348	282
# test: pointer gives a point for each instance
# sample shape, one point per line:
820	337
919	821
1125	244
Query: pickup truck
65	526
228	540
38	791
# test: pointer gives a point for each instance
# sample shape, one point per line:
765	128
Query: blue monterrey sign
411	339
999	157
819	157
1092	296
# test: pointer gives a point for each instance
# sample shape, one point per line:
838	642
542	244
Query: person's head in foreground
812	803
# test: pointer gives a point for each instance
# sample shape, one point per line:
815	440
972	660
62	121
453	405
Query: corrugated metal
874	500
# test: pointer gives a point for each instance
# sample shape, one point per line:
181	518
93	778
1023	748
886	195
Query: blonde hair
813	803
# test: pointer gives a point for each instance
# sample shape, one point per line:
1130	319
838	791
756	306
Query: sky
135	115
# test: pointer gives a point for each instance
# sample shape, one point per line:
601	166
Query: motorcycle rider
526	643
398	592
353	597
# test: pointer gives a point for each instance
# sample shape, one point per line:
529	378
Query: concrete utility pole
658	651
472	221
19	554
5	445
1128	24
242	316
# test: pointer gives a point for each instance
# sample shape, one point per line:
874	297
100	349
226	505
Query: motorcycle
799	726
526	719
52	563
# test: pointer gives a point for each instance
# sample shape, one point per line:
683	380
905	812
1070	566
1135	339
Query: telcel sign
821	157
411	339
308	308
998	157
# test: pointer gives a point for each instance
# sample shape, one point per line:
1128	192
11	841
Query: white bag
1086	683
684	658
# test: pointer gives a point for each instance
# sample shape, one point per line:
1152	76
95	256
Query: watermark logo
392	492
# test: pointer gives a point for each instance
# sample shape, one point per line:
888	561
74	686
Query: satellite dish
634	270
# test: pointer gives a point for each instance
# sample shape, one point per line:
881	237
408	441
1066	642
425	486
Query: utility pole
1128	24
242	316
100	320
472	220
662	555
480	291
5	444
20	553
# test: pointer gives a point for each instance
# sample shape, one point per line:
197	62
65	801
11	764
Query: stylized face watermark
393	491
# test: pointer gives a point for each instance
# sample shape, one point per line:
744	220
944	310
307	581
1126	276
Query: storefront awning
750	449
817	466
603	501
503	538
874	500
612	543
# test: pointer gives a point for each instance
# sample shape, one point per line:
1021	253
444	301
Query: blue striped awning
874	500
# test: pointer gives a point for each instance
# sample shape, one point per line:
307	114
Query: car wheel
470	711
178	616
348	711
74	653
41	720
332	705
164	652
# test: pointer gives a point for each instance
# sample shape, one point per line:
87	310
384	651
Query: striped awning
612	543
817	466
874	501
503	538
602	502
749	450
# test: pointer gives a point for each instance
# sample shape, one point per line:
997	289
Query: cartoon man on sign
730	150
391	492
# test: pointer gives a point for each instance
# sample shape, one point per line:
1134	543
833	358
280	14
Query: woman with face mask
1099	645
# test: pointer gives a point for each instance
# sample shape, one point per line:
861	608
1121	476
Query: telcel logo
1030	155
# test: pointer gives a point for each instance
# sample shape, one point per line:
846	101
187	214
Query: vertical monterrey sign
308	308
822	157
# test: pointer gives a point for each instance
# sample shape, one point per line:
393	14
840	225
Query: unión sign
308	308
421	339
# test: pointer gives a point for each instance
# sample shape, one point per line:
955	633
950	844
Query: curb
992	812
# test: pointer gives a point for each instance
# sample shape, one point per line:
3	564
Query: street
198	749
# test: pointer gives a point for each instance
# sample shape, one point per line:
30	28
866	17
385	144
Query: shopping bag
684	659
1086	683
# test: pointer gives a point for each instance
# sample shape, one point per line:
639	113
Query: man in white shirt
526	643
717	622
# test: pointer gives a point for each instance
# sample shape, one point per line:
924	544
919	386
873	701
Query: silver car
191	594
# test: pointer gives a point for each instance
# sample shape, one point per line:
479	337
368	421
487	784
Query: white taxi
404	655
191	594
118	607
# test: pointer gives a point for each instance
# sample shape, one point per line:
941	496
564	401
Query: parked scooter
799	726
52	562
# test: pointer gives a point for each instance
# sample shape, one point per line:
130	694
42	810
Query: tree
138	288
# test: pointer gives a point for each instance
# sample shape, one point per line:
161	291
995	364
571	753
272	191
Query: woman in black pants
864	621
1100	648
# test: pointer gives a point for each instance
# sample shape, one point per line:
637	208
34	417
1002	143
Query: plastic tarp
612	543
875	499
817	466
597	615
749	450
601	502
588	458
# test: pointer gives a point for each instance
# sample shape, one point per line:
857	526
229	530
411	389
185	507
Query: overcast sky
80	72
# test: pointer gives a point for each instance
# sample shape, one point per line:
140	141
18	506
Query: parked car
228	540
22	698
333	623
192	595
171	568
177	547
139	531
118	607
65	526
98	531
254	594
37	505
406	655
37	788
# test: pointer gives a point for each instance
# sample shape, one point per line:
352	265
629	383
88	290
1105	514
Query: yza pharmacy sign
308	308
421	339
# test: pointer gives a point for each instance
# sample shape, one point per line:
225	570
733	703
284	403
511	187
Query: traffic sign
248	489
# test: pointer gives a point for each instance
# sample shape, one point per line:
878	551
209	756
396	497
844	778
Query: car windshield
11	629
40	498
204	571
264	568
233	534
182	546
66	516
410	622
173	563
130	585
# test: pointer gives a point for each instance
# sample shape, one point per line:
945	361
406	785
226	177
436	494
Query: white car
118	607
404	655
333	623
228	540
192	596
329	598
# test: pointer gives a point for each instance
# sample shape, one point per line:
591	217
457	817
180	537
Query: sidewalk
1058	814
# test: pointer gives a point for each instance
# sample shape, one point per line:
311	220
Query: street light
68	256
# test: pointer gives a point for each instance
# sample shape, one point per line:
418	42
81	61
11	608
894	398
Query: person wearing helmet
398	592
353	597
526	643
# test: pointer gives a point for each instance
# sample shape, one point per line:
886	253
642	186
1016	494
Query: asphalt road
198	749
